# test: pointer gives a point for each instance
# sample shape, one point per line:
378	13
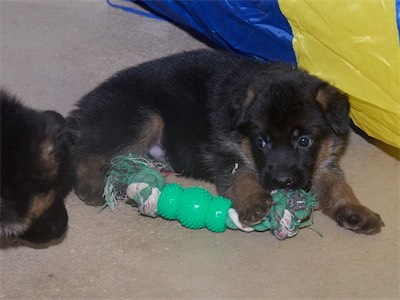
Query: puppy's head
293	124
34	162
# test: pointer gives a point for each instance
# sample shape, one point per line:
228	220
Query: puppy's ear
239	107
336	107
54	122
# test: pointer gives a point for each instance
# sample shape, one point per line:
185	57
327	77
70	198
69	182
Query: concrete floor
53	52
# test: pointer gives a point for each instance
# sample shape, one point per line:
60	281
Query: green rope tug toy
139	181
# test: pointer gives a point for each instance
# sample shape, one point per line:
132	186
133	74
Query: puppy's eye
304	141
261	143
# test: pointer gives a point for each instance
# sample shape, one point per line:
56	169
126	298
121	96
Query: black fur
247	126
34	166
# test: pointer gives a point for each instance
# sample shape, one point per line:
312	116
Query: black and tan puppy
34	164
247	126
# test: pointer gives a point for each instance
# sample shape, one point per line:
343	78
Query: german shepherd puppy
250	127
34	164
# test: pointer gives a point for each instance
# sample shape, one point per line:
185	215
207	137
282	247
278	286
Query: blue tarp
256	28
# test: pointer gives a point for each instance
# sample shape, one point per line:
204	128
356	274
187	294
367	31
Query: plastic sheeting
255	28
352	44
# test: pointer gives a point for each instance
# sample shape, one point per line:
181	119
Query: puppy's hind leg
142	138
89	180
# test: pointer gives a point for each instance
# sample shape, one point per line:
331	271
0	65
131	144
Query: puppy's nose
282	181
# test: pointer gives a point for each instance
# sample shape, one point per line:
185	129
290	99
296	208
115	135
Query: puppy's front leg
338	201
250	200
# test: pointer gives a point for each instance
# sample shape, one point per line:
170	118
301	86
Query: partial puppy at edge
35	162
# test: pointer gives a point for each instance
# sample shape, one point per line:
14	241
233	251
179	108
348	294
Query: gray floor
52	52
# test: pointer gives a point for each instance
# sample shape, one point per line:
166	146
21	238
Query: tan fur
248	194
323	99
89	176
329	184
151	133
245	183
247	148
324	156
247	154
85	168
250	94
49	163
41	203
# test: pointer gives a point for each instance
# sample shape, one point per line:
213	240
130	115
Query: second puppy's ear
55	122
336	107
52	138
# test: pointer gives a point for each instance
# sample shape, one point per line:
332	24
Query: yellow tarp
355	46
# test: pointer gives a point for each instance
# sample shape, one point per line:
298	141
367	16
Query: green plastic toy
139	181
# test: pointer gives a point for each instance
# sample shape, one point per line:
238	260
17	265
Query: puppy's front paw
359	219
254	208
